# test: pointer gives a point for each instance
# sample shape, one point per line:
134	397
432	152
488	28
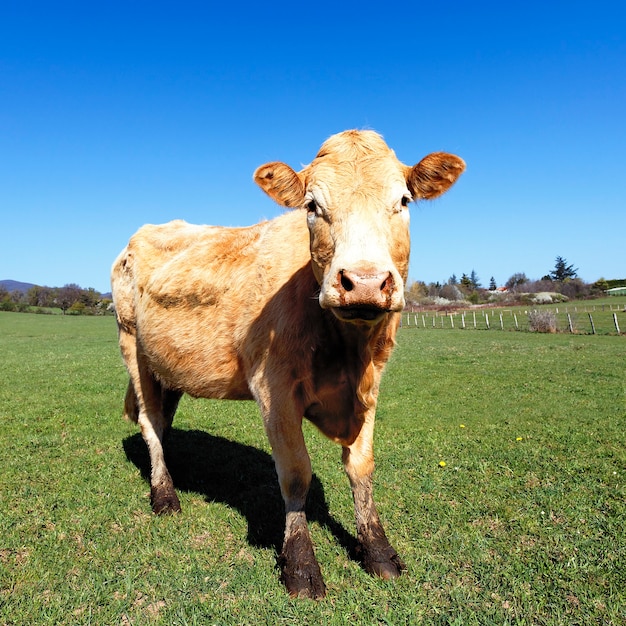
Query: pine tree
562	270
474	280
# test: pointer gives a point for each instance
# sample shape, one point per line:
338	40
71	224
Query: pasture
587	317
501	481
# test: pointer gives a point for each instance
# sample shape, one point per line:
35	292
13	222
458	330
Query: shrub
547	297
451	292
542	321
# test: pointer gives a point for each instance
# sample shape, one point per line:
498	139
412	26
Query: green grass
525	523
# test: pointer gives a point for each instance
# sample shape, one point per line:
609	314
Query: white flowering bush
547	297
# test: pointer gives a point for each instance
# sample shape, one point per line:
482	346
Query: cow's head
356	194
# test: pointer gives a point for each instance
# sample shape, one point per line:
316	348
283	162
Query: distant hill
16	285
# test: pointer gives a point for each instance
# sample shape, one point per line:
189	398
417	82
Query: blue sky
116	114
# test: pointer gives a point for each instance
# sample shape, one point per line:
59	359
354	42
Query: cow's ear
434	175
280	183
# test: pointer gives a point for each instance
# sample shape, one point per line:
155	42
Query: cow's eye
314	208
402	204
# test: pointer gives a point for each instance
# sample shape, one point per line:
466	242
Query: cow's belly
194	353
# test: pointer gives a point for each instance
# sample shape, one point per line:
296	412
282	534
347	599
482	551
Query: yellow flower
518	439
442	463
462	426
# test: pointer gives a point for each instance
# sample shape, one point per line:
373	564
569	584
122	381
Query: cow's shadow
240	476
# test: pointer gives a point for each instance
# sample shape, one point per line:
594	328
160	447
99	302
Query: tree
67	295
451	292
466	281
517	279
492	284
416	291
453	280
600	286
474	280
434	289
40	296
562	271
90	297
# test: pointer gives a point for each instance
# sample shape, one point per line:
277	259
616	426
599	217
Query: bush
542	297
451	292
542	321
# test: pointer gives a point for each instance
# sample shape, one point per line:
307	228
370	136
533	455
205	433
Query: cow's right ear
280	183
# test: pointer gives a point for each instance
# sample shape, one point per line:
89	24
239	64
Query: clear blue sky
115	114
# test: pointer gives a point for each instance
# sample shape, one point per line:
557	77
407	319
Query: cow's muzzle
359	313
364	296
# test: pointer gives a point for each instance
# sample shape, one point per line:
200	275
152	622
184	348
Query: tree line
72	299
562	279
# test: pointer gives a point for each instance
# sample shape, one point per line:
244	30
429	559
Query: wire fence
586	320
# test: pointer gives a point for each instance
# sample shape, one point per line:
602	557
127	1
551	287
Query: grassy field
501	478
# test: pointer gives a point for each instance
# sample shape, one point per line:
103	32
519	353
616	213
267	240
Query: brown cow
298	313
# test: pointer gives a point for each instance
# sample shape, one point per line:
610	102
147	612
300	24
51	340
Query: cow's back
192	294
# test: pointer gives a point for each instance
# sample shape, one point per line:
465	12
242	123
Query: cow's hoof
302	580
387	569
382	561
164	501
300	571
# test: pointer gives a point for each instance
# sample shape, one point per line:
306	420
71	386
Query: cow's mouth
359	313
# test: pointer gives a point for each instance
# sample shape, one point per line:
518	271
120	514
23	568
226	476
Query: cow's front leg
300	571
374	550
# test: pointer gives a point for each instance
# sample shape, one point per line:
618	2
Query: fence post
487	321
515	318
463	320
501	322
474	314
616	324
451	321
593	328
569	322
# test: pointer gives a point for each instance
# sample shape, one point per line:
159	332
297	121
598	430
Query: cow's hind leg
155	418
152	407
169	402
376	554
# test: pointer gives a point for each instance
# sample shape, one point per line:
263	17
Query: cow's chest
333	405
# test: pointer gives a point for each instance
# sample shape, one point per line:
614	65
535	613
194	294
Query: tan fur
299	313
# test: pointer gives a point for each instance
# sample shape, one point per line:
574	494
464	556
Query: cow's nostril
346	283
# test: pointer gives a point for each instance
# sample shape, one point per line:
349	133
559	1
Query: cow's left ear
280	183
434	175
